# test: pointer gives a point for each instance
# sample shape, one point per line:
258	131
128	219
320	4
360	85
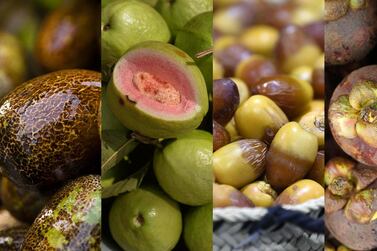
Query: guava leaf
116	144
131	183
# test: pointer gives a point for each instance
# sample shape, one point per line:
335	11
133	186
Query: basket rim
238	214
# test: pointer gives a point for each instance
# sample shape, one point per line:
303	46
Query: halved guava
158	91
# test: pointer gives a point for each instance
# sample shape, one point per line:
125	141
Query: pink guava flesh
155	83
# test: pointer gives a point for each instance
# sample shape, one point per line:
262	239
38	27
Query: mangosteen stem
204	53
146	140
369	113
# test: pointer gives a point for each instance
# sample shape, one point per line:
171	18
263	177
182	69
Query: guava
127	23
197	231
145	219
196	37
178	12
158	91
183	168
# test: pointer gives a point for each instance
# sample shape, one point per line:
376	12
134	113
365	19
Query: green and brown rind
71	220
49	128
158	127
353	115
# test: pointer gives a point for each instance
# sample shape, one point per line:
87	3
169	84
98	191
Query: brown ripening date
317	171
230	56
225	100
287	160
289	93
225	196
221	136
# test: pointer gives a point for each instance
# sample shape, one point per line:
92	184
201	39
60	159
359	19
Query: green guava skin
178	12
195	37
157	127
197	231
183	168
127	23
145	219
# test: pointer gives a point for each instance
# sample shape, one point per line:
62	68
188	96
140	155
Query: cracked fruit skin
353	115
145	219
197	231
183	168
127	23
67	39
291	155
158	91
49	128
71	220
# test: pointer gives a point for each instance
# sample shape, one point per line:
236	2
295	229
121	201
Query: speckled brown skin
67	213
11	239
49	129
350	37
23	204
68	37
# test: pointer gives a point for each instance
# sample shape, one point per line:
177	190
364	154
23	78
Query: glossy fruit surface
226	99
300	192
49	128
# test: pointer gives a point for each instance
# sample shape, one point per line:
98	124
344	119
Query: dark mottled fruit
70	220
221	136
353	115
11	239
68	37
24	204
49	129
350	32
225	100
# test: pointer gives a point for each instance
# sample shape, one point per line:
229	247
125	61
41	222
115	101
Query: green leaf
116	144
126	185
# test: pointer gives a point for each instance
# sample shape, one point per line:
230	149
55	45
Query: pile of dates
268	96
351	141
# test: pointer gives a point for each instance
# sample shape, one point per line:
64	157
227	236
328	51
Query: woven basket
287	228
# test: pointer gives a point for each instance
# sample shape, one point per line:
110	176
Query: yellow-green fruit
218	70
127	23
183	168
240	162
197	231
291	155
243	90
259	118
145	219
314	122
300	192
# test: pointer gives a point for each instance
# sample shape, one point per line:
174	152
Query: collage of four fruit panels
188	125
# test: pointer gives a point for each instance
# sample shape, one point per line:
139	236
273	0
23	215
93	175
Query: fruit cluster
351	87
156	140
49	129
268	96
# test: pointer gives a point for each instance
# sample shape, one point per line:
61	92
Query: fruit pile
156	140
49	126
268	96
351	87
